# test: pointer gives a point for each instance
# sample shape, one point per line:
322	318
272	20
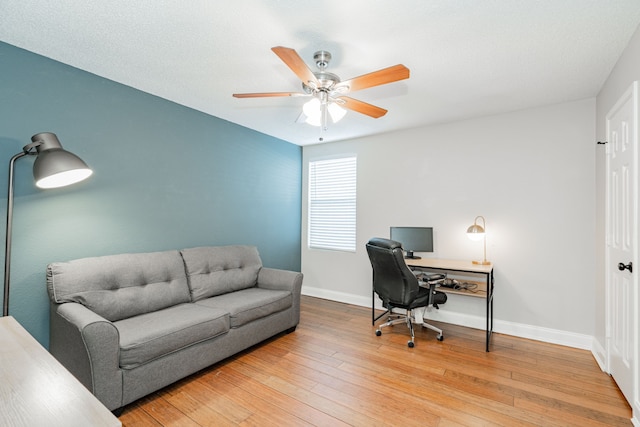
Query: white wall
530	173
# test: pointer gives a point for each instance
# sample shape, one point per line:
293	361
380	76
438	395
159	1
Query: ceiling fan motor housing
322	59
327	80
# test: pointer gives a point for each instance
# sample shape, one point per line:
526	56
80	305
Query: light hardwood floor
334	371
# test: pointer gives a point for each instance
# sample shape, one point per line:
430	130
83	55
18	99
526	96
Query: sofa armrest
88	346
271	278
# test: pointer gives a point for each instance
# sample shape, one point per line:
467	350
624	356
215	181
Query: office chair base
395	319
440	336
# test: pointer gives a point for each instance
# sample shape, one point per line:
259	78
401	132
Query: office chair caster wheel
440	337
378	332
410	344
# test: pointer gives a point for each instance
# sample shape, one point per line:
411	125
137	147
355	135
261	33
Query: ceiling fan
328	92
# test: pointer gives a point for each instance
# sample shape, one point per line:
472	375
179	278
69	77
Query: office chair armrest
431	277
432	288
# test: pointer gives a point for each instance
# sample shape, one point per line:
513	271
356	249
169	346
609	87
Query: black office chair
398	287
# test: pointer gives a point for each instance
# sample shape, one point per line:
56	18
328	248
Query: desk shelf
481	291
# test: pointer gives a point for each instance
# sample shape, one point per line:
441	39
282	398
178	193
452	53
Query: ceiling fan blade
267	94
376	78
362	107
296	64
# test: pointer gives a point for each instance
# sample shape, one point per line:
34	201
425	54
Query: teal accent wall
165	177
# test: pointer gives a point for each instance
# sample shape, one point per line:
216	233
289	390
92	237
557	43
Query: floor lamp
54	167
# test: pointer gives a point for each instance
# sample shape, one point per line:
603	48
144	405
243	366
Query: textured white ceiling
467	58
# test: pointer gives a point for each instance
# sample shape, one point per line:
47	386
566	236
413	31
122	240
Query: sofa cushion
120	286
250	304
152	335
217	270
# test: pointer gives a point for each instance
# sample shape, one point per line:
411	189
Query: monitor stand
410	255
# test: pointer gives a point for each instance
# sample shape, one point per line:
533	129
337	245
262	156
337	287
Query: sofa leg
117	412
291	329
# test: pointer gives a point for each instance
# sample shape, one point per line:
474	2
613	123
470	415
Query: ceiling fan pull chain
323	109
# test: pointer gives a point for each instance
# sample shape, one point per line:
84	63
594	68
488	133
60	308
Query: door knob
623	267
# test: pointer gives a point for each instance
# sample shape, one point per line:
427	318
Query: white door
622	271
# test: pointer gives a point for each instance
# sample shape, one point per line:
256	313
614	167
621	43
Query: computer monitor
413	239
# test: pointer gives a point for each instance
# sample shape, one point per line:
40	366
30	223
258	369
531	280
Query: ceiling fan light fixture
313	112
336	112
311	108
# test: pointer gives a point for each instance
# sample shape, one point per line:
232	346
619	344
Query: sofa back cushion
120	286
217	270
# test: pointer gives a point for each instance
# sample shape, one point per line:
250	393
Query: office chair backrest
393	281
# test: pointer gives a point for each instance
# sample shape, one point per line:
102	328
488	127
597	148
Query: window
332	204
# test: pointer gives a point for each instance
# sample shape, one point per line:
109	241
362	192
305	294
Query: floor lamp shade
53	167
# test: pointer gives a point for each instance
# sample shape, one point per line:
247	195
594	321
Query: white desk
463	267
36	390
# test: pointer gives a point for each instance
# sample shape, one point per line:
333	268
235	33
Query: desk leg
489	309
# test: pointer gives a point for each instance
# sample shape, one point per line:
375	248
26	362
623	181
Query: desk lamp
54	167
476	232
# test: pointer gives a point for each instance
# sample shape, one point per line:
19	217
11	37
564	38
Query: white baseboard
600	354
553	336
336	296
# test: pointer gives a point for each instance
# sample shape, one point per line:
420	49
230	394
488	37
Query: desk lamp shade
476	232
55	167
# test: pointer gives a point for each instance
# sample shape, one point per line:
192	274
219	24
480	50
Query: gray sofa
127	325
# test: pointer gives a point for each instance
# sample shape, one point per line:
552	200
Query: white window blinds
332	204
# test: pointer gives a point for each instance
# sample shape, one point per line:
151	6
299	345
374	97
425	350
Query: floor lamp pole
7	246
